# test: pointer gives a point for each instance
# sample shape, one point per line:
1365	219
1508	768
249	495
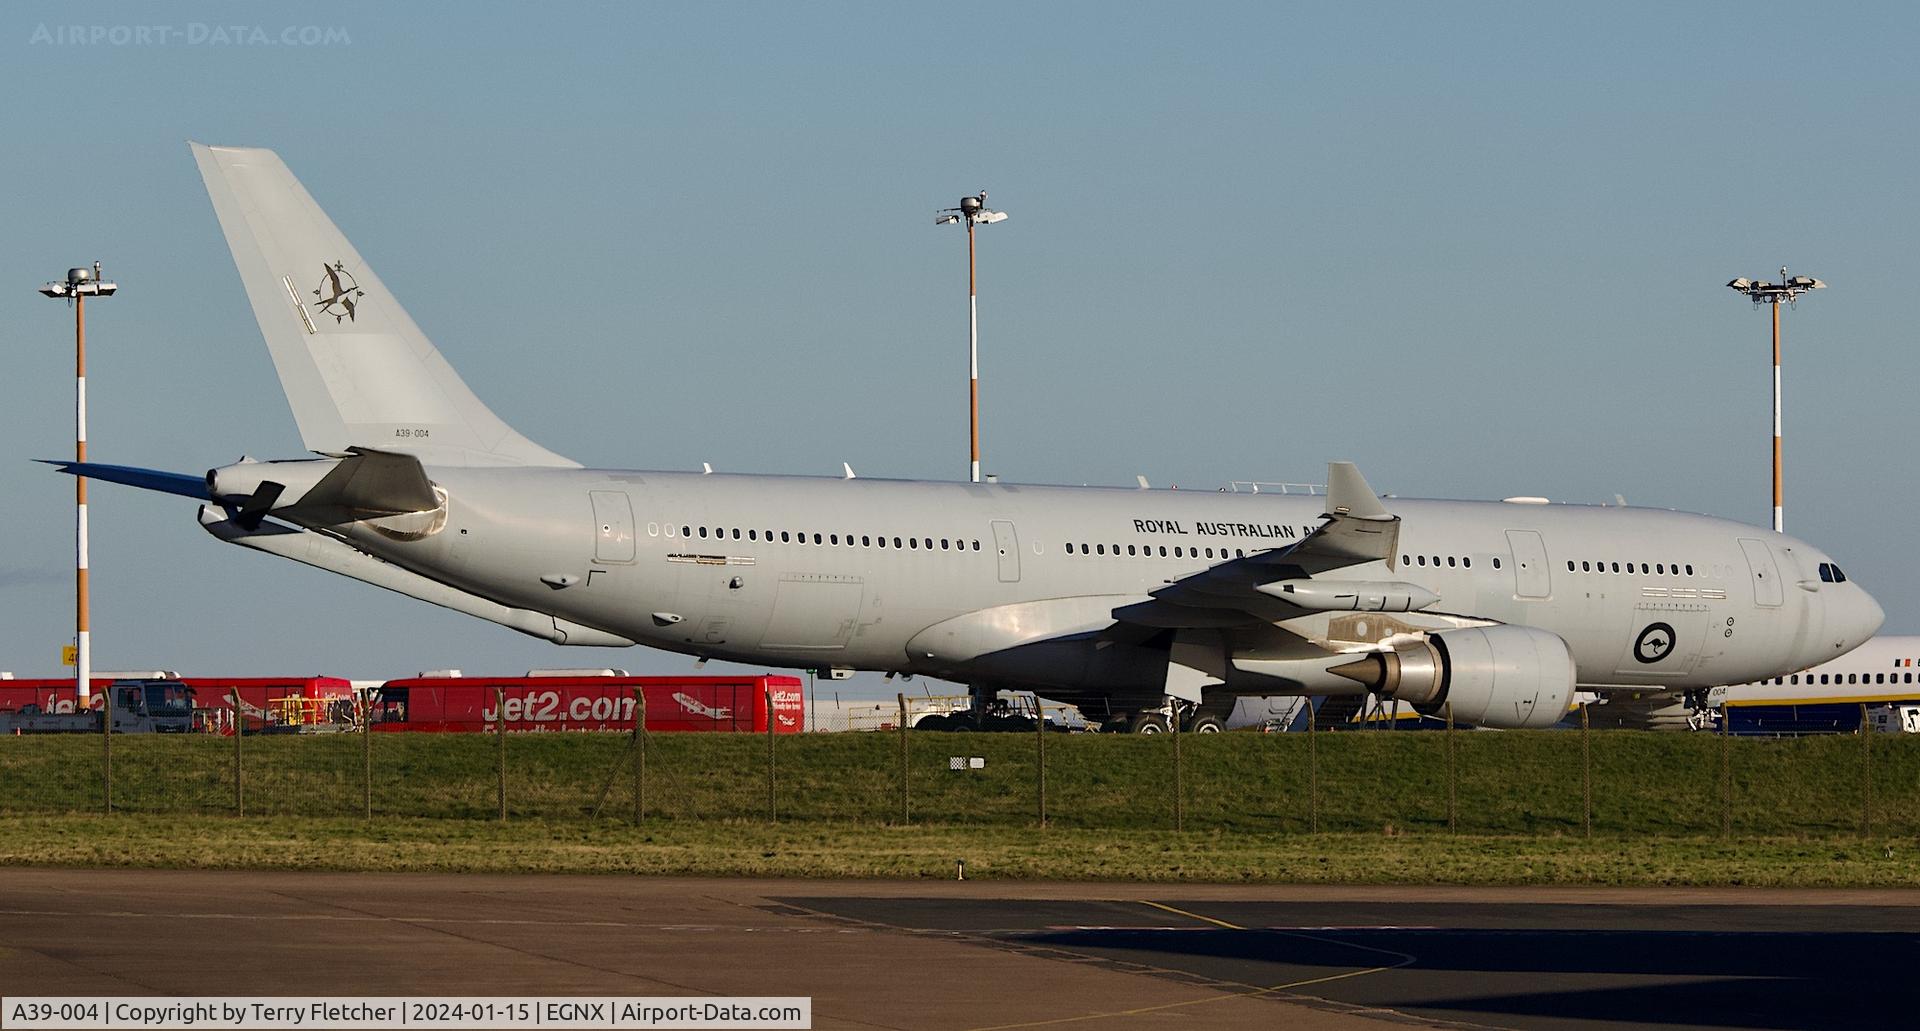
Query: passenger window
866	541
1850	678
1406	560
945	544
1616	567
1660	567
1796	678
914	543
1130	549
896	542
1209	552
1689	570
1163	551
1586	567
1467	562
1496	563
1100	548
1423	560
703	533
1569	565
686	531
1237	553
1823	678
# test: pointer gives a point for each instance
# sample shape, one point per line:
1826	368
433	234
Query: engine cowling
1498	676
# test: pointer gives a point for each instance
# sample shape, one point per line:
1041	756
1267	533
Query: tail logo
338	290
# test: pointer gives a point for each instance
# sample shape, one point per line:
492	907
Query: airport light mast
973	211
81	283
1788	289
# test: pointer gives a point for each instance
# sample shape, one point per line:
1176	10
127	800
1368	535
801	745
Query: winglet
1348	494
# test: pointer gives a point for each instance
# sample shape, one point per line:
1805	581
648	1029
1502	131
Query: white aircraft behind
1131	604
1882	670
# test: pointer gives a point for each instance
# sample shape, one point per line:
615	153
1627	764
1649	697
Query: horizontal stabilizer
146	479
375	482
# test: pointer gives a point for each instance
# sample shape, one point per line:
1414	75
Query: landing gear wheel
1205	725
1149	723
1118	724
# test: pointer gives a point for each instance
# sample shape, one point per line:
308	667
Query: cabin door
1007	543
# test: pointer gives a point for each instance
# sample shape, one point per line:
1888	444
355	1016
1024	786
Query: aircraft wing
1358	529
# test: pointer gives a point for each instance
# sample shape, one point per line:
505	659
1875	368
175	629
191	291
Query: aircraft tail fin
356	370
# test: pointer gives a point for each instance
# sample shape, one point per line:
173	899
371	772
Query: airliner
1151	610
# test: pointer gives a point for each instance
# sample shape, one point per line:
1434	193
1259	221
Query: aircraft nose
1856	617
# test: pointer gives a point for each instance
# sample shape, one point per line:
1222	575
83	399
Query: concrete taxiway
983	954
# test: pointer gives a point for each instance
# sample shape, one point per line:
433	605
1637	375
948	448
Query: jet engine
1495	676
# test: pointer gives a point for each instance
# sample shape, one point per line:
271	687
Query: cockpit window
1826	572
1839	577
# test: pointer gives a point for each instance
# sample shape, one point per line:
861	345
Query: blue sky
1476	248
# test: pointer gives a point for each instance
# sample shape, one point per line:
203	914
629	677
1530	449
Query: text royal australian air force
1265	531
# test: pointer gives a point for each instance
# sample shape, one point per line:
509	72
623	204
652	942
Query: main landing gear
1193	720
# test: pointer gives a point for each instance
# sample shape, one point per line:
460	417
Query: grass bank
747	849
1503	784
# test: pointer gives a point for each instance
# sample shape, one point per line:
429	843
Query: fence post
1866	774
239	772
1313	770
1040	757
1179	782
906	802
773	811
639	756
1586	771
106	748
366	758
1727	770
500	742
1453	798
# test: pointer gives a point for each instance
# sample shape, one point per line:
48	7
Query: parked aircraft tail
356	370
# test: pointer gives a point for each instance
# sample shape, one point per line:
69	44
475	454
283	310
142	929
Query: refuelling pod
1498	676
1352	595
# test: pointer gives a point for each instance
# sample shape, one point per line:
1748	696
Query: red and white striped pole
973	211
83	639
80	284
973	363
1788	290
1779	525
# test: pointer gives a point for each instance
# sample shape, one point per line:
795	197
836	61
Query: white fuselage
853	573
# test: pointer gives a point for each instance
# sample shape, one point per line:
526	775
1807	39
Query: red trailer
273	704
267	703
48	694
545	703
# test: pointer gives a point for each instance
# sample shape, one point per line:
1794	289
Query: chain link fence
1324	776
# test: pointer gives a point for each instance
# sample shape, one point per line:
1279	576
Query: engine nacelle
1497	676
